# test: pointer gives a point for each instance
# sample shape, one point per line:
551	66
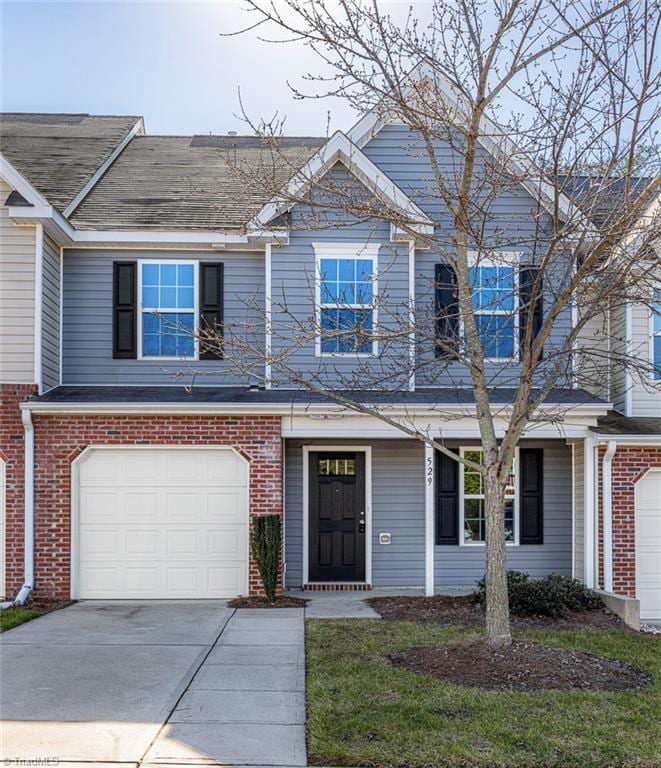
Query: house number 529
430	470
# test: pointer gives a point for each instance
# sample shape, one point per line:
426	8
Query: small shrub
551	596
265	542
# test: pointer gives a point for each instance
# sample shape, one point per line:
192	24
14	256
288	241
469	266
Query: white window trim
652	335
345	251
503	259
462	466
195	310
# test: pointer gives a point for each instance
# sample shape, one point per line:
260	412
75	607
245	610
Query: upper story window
472	495
495	307
346	290
656	334
168	308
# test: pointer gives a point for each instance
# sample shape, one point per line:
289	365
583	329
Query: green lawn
12	617
364	712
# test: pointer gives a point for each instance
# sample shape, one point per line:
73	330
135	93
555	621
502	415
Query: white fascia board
633	440
20	184
137	130
340	149
533	180
581	420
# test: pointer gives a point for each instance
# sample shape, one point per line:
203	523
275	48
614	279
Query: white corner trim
138	129
312	448
61	311
268	306
38	305
411	279
589	512
607	506
430	486
573	510
340	148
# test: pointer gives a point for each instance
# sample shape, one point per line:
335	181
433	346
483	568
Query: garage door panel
162	523
648	546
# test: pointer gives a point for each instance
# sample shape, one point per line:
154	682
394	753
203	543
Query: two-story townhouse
147	455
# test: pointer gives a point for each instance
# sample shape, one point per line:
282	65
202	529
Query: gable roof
60	154
189	182
339	148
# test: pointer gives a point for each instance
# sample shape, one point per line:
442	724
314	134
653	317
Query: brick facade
630	464
12	453
59	439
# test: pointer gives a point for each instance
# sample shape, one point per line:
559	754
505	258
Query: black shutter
124	310
531	491
446	305
527	277
447	499
211	308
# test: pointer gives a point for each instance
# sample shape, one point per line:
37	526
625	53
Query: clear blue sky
163	60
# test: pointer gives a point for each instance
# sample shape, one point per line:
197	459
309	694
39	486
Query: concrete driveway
105	682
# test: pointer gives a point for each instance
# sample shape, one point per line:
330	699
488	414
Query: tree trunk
499	633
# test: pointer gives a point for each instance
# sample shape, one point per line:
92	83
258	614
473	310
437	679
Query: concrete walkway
246	704
138	684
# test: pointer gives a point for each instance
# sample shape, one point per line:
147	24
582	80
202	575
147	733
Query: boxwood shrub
553	595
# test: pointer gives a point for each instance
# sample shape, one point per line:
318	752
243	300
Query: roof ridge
71	114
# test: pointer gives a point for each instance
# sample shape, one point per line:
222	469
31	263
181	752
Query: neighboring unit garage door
161	523
648	545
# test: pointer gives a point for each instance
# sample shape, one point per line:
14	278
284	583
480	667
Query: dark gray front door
337	516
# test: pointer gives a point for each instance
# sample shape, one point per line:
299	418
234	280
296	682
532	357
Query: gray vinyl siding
646	392
17	251
618	341
462	566
513	222
593	367
87	343
293	297
579	512
398	508
50	341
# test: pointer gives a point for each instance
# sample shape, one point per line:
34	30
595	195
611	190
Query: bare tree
518	101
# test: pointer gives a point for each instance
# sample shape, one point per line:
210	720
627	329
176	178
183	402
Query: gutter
607	480
282	409
28	546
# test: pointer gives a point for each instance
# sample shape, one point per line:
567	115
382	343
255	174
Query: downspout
28	546
607	505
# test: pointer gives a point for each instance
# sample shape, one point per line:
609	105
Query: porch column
429	520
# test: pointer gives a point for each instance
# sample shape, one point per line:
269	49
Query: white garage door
161	523
648	546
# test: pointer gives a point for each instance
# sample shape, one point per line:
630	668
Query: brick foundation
12	453
629	466
59	439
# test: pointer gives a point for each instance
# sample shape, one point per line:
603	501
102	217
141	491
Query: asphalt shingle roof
180	394
59	153
616	424
190	182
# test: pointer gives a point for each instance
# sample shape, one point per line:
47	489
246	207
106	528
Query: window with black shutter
211	310
531	496
446	305
527	278
447	499
124	321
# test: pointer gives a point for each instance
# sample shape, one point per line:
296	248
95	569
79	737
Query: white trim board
320	447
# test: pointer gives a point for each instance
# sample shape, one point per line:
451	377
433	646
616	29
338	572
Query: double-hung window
471	501
168	308
346	290
494	297
656	334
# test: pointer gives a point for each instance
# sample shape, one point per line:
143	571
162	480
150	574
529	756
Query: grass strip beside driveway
363	711
12	617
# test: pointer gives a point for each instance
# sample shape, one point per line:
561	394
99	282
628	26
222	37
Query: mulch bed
522	667
262	602
447	610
